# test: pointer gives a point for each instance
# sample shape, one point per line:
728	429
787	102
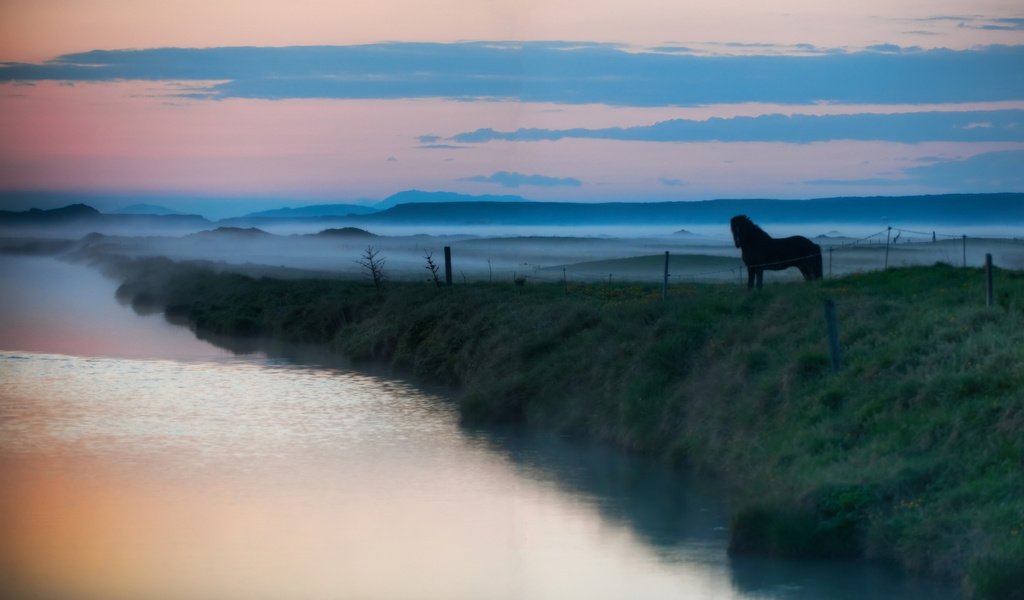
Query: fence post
965	250
448	265
830	262
664	283
888	232
833	333
988	280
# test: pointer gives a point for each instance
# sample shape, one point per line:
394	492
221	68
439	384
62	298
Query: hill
72	212
979	209
78	219
419	197
446	209
313	210
233	232
345	232
144	209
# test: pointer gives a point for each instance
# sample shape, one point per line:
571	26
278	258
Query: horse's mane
747	228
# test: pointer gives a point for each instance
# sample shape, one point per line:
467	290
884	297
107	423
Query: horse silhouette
762	252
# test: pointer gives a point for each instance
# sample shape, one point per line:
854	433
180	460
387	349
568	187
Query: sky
312	101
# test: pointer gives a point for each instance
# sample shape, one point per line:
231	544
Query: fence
831	318
886	248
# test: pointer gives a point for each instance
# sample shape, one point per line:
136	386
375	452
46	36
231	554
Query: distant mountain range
440	209
313	210
81	217
145	209
978	209
419	197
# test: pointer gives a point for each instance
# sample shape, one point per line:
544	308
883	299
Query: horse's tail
816	268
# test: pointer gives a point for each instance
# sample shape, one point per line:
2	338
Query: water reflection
683	518
145	479
665	506
50	306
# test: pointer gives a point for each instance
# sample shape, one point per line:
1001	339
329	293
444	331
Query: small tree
432	267
373	265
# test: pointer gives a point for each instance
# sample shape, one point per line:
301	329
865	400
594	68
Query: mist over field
331	246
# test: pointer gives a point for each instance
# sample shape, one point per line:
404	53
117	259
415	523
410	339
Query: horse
761	251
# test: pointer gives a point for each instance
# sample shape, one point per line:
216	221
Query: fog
337	254
541	253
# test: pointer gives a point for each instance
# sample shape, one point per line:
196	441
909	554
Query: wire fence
893	246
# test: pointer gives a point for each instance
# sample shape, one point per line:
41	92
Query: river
139	462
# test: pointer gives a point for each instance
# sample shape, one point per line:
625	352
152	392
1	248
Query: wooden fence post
965	250
988	280
664	283
833	333
448	265
888	233
830	262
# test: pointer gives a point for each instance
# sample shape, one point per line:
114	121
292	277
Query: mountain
145	209
78	219
419	197
72	212
977	209
1005	210
235	232
313	210
346	232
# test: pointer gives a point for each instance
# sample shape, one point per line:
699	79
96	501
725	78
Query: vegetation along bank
911	453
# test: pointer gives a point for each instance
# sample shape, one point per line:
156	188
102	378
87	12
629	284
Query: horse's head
740	225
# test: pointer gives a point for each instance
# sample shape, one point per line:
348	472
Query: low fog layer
337	252
705	256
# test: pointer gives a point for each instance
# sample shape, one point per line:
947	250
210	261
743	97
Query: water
139	462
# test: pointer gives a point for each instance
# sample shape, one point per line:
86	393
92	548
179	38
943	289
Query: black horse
761	251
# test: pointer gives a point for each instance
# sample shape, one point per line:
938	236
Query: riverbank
911	453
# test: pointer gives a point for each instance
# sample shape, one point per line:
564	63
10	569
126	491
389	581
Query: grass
912	453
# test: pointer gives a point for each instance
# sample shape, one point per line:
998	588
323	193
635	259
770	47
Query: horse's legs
760	278
750	278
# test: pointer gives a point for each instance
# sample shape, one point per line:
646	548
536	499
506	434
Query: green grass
912	453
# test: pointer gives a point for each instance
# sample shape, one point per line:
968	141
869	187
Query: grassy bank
912	453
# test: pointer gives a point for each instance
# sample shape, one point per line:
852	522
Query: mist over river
139	462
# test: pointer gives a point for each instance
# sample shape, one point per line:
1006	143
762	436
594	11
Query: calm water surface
138	462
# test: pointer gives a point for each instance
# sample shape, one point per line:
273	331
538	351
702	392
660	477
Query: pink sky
143	137
32	30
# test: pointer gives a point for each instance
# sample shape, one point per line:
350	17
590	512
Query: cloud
966	126
989	172
442	147
978	22
866	182
1006	24
888	48
561	72
667	181
514	180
